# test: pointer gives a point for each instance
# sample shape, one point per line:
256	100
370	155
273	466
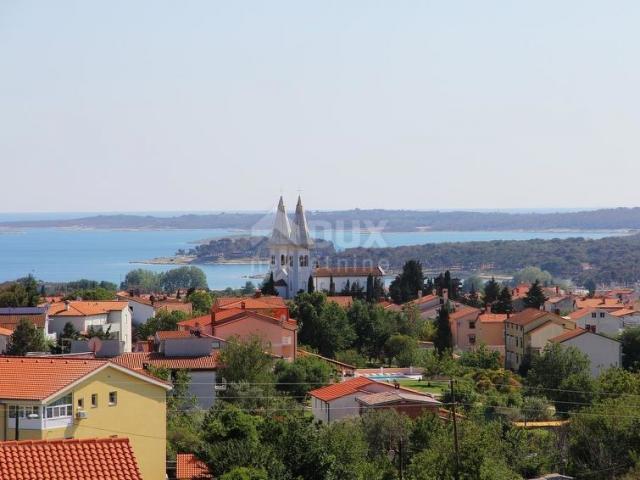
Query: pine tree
504	303
310	287
535	297
491	291
444	338
26	338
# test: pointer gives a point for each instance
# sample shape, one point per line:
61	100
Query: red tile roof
189	467
288	323
11	321
5	331
527	316
202	321
172	334
343	301
338	390
138	360
89	459
599	303
623	312
30	378
424	299
580	313
85	308
348	272
569	334
249	302
463	312
493	317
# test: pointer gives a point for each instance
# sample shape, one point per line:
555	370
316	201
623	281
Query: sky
210	105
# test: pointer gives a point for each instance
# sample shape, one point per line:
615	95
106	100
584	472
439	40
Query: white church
290	247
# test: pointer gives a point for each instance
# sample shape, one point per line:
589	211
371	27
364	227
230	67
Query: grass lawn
435	387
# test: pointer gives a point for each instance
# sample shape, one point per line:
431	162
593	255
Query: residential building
11	316
107	316
72	459
189	467
597	320
603	352
529	331
411	404
322	277
290	251
560	304
263	316
180	350
5	337
427	305
490	331
463	321
349	399
57	398
630	316
603	303
144	306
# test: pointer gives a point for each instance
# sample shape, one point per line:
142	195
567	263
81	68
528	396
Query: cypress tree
444	337
332	286
370	292
310	287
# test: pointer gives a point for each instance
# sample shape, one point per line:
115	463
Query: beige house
529	331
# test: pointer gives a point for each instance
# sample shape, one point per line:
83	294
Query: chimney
604	301
557	290
242	305
66	305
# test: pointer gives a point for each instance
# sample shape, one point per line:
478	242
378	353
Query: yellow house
53	398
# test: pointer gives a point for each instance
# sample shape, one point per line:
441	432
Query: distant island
388	220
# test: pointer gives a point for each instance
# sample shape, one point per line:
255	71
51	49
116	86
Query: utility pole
456	474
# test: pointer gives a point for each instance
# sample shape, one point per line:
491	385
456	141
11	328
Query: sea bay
57	254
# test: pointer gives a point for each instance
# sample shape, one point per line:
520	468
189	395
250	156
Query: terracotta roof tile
202	321
85	308
5	331
599	303
30	378
493	317
580	313
576	332
138	360
189	467
171	334
338	390
463	312
249	302
527	316
344	301
89	459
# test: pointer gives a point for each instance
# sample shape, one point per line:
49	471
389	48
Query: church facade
290	248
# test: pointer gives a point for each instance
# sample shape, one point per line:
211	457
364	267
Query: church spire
281	234
301	229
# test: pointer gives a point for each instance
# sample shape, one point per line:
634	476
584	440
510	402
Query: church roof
301	236
281	234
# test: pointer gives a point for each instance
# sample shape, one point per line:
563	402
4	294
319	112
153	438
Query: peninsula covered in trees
606	260
390	220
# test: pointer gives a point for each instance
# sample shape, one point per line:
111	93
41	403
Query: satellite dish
94	344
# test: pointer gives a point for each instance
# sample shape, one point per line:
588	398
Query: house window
94	400
593	314
601	314
273	259
61	408
291	261
80	403
472	339
283	260
113	398
23	411
472	325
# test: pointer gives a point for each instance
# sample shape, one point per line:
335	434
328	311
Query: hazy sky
209	105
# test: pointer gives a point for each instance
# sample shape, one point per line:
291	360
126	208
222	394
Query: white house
603	352
5	336
597	320
630	316
341	400
111	316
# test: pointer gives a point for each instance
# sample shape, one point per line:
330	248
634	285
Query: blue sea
55	254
